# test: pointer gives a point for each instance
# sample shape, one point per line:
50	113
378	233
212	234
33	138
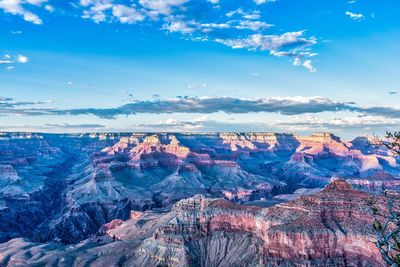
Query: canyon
189	199
329	228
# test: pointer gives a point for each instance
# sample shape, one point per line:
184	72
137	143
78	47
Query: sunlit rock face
328	228
65	187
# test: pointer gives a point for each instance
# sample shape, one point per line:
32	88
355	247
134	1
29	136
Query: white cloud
275	43
354	16
255	15
55	127
260	2
306	63
97	10
244	14
232	13
17	7
202	123
49	8
191	26
5	61
127	14
22	59
164	7
105	10
180	26
197	86
36	2
253	25
289	44
308	122
9	60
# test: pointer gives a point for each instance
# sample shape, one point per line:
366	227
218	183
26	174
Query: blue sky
185	65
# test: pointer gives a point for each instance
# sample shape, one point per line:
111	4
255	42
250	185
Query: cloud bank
211	104
300	114
304	123
203	105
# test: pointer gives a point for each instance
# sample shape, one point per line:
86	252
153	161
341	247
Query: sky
298	66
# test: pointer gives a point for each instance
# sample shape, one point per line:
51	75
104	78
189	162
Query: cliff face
70	185
34	172
329	228
332	227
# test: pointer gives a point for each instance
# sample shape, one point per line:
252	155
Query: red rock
111	226
134	215
330	227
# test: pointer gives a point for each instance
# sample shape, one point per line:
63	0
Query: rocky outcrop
33	174
330	228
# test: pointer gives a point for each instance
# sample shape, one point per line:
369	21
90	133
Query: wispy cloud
307	123
201	124
354	122
75	126
10	61
197	86
10	107
296	123
260	2
354	16
55	128
289	44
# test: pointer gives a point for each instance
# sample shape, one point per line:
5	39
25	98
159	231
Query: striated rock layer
329	228
332	227
65	187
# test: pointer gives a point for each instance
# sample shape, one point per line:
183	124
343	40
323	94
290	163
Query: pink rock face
124	144
333	225
240	194
318	143
152	144
134	215
312	160
106	228
236	142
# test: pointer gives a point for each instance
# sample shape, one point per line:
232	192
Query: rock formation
65	187
330	228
